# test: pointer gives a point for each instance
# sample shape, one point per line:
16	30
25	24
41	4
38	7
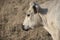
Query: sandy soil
11	18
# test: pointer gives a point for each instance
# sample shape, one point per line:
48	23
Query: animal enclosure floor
11	18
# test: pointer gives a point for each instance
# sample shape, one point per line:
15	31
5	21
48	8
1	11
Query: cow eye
28	15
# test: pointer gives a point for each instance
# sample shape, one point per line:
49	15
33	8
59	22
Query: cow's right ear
36	7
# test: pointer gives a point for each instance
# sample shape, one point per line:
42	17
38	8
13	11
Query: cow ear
36	8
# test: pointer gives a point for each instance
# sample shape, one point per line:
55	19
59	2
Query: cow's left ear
36	8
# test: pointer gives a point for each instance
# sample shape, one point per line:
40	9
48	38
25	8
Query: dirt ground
11	18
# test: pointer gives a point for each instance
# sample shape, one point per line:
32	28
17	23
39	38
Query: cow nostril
22	25
24	28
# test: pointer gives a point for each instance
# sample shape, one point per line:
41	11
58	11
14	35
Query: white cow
46	14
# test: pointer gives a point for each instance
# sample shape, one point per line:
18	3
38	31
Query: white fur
51	20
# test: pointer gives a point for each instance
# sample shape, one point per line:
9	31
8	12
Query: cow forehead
30	9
